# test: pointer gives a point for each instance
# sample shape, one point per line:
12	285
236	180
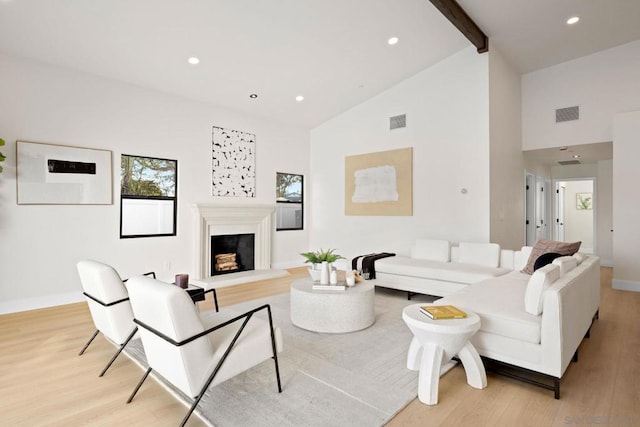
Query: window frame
289	202
173	199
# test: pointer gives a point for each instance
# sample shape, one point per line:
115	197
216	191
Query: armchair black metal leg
273	347
215	299
115	356
144	377
215	371
95	334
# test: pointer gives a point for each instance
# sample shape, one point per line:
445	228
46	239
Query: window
148	202
289	201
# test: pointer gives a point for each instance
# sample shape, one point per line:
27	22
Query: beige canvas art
379	183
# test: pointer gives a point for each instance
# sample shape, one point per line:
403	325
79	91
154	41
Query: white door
530	209
540	218
559	225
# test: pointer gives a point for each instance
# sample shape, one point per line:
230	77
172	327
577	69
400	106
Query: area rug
356	379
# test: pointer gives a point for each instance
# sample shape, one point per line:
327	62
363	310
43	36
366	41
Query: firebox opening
232	253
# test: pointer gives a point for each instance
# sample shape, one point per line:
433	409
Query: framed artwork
148	196
584	201
233	163
379	183
51	174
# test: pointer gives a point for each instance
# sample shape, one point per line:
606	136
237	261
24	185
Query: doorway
537	208
575	207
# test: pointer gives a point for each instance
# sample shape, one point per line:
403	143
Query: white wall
506	158
447	110
40	245
626	208
602	84
604	212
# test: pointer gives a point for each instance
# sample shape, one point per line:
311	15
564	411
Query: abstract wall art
63	175
379	183
233	163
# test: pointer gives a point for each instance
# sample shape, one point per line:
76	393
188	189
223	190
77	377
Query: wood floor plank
45	383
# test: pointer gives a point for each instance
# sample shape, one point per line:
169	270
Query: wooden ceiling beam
459	18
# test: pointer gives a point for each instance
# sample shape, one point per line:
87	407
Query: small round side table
333	312
435	343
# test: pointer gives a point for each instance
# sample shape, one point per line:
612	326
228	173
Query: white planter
314	272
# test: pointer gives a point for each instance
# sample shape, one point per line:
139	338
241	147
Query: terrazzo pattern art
233	163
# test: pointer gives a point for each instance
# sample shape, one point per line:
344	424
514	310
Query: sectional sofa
534	323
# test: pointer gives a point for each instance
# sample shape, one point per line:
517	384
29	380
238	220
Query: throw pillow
544	246
545	259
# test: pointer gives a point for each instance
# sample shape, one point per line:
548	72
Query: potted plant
316	258
2	157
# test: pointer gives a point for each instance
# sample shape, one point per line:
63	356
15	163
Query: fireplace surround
219	220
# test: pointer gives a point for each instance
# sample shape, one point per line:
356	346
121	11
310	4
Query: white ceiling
334	52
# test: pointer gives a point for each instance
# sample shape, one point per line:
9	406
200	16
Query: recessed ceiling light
576	156
392	40
193	60
573	20
253	96
299	98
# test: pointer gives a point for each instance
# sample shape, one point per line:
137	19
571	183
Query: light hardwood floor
44	382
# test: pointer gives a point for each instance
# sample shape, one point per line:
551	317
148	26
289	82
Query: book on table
438	312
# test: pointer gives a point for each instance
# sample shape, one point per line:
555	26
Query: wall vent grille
567	114
397	122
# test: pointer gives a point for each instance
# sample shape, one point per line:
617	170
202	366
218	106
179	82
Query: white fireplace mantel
219	219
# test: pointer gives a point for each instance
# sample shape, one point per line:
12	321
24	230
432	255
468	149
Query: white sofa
535	322
437	268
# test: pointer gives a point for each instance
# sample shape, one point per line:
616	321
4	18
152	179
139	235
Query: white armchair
108	303
194	351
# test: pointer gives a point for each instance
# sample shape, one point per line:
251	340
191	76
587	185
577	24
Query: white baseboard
625	285
35	303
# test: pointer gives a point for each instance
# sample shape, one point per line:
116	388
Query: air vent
397	122
570	162
567	114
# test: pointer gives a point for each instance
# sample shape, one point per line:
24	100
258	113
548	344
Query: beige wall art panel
379	183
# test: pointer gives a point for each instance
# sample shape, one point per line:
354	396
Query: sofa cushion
434	250
521	257
487	254
545	259
566	264
500	305
446	271
539	282
544	246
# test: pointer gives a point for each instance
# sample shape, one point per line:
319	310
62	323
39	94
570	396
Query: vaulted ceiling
332	52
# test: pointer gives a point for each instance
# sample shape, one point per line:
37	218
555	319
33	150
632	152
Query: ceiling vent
570	162
397	122
567	114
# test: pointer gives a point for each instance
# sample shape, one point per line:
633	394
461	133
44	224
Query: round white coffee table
332	311
435	343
